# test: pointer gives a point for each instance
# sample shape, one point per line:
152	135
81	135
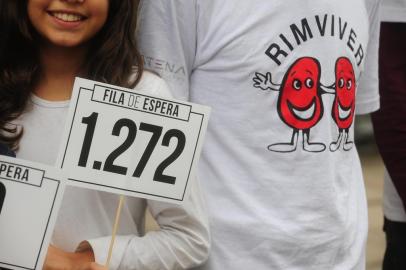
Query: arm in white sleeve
182	241
368	87
167	39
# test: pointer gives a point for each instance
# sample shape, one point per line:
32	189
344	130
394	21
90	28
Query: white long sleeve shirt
183	238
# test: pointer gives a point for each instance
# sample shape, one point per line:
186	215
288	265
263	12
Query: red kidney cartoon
344	102
299	102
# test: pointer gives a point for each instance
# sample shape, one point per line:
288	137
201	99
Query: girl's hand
57	259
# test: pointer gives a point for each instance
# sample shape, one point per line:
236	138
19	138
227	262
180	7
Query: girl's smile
67	19
67	23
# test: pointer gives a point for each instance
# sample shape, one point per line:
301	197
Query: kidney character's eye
297	84
349	84
341	83
309	83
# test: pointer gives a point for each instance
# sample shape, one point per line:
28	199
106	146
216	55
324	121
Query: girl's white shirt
87	216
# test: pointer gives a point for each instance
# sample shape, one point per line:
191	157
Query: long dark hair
112	58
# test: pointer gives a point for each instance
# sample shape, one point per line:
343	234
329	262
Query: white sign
121	141
30	196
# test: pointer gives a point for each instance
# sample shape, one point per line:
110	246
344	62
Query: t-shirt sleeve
167	40
368	87
182	241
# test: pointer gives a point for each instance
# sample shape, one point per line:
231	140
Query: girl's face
67	23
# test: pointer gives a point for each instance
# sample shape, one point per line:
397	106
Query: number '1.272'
156	133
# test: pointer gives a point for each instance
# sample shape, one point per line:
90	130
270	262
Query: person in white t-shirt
284	80
52	42
390	129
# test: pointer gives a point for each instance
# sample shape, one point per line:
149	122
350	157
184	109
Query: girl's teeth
67	17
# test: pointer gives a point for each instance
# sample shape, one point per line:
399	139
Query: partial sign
121	141
30	196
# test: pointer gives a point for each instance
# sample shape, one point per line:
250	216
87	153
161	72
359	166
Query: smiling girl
54	41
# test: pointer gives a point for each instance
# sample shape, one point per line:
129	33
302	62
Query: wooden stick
115	227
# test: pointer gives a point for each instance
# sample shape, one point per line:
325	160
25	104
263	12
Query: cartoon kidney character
344	102
299	102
